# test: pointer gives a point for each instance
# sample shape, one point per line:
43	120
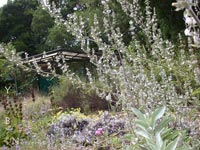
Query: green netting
45	84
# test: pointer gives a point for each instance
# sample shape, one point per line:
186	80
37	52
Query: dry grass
1	110
41	105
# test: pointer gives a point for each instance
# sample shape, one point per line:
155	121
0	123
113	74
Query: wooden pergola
54	57
55	54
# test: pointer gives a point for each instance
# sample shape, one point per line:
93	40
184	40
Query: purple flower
4	147
99	131
17	147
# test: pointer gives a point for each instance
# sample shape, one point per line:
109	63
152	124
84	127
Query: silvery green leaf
164	145
142	124
152	145
139	114
163	124
159	140
157	114
172	145
143	134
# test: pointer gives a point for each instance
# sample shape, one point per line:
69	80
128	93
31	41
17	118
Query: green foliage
153	129
6	74
3	133
5	68
41	23
59	37
12	129
36	119
196	92
76	96
67	7
15	24
60	94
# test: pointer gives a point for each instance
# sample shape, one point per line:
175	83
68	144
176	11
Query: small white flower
103	2
196	39
190	21
130	22
188	32
108	97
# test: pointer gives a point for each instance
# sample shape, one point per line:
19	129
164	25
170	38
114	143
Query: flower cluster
86	129
191	17
99	131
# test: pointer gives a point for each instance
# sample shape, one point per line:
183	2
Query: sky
2	2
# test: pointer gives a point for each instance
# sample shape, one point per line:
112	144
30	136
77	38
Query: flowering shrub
145	73
85	129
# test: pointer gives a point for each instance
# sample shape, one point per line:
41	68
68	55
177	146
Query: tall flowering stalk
130	72
192	21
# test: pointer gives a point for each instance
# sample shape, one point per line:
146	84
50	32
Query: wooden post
32	93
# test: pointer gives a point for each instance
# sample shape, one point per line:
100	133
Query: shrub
73	95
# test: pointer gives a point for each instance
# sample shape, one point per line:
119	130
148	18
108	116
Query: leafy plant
153	129
12	130
74	95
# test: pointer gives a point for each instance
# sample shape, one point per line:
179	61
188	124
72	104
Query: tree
59	37
15	24
41	23
67	6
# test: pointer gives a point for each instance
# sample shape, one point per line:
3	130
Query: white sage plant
130	73
191	16
144	74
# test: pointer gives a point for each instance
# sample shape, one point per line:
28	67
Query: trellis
55	54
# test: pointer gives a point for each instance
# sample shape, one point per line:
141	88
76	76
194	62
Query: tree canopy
15	24
41	23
